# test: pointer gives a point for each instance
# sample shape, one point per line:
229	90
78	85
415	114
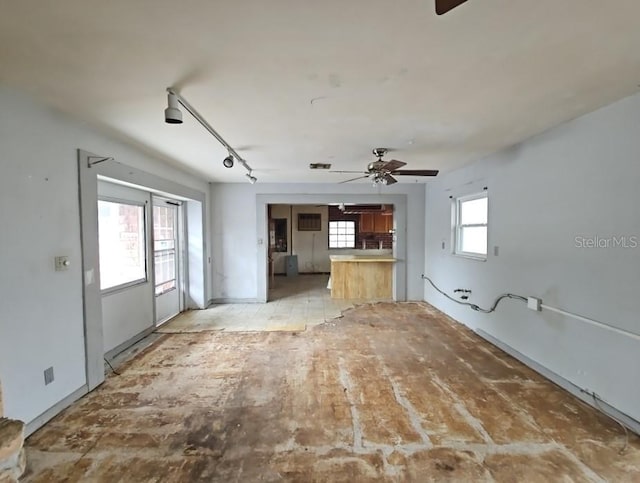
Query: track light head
172	114
252	179
228	162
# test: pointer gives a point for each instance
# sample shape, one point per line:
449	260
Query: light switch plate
62	263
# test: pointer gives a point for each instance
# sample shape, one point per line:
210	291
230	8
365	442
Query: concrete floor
389	392
295	303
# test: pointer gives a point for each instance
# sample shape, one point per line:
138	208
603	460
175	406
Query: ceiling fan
443	6
380	172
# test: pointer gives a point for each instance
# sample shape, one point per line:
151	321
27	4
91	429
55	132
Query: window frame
457	226
175	205
145	238
355	227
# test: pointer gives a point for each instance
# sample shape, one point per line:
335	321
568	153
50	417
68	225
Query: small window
342	234
470	226
122	244
279	242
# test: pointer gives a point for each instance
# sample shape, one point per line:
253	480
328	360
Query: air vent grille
319	166
358	209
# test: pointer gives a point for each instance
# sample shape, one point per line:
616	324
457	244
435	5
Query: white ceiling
289	82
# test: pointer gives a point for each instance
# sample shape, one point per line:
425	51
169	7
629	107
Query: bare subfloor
389	392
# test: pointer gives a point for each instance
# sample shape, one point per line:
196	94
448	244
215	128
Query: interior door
166	258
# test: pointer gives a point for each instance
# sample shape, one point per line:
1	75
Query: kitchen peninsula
362	277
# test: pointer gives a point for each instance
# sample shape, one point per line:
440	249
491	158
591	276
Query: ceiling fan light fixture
172	114
383	172
387	179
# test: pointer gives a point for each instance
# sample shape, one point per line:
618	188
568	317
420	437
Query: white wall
236	242
41	310
197	236
579	179
311	247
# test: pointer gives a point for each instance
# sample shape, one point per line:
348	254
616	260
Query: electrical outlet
534	303
48	376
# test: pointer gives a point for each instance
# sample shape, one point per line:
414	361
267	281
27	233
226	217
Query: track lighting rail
198	117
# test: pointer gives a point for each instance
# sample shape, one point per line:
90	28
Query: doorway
167	263
314	259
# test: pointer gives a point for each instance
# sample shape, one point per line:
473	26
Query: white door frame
157	200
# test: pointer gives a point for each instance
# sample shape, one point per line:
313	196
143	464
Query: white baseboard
234	301
578	392
128	343
32	426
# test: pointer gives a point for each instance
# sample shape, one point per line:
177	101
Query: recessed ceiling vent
319	166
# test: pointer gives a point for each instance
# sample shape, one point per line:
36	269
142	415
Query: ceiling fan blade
443	6
392	165
416	172
361	172
353	179
388	179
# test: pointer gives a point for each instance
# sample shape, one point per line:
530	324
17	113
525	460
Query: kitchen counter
368	277
362	258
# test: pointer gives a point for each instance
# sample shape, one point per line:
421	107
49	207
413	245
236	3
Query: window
279	243
164	248
470	226
122	244
342	234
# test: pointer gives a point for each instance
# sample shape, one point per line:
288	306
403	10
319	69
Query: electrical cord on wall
474	306
596	401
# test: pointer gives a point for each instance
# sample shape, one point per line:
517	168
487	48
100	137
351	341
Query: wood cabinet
366	222
375	223
382	223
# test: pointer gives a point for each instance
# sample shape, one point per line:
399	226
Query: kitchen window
342	234
470	215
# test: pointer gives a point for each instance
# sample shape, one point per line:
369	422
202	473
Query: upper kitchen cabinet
380	222
383	222
367	224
